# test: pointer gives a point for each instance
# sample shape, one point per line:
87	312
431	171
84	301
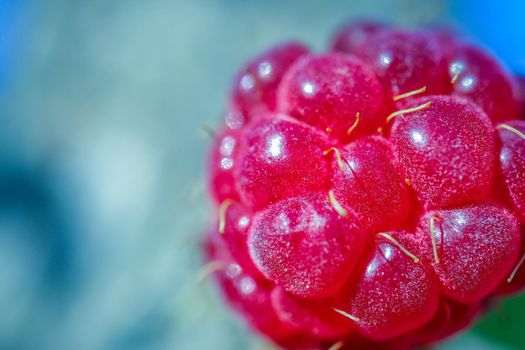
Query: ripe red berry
371	197
472	249
234	118
394	291
476	75
279	158
406	61
252	299
365	180
316	318
255	86
233	226
512	160
446	151
305	246
244	293
334	92
222	164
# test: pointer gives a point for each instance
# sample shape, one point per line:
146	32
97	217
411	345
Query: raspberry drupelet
370	197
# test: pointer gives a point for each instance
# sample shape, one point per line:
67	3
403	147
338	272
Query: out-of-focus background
101	163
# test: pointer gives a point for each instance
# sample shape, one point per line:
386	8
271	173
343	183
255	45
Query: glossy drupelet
446	151
391	293
371	197
305	246
475	248
478	76
333	92
255	86
512	160
280	158
406	61
365	180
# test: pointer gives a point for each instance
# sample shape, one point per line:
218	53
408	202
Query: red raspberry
473	248
369	198
234	231
279	158
406	61
446	151
298	244
512	159
255	86
392	292
249	296
366	181
221	165
478	76
315	318
335	93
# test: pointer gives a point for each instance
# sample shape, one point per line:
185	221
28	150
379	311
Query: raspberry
365	180
446	151
316	318
250	297
473	248
234	117
369	197
406	61
235	220
393	292
279	158
335	93
221	165
512	159
305	246
476	75
255	86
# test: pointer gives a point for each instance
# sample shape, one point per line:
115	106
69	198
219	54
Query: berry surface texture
371	196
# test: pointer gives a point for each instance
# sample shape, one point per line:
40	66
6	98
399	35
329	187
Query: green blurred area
505	323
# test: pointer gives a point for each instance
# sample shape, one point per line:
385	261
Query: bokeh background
102	199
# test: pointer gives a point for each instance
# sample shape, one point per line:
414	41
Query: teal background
101	165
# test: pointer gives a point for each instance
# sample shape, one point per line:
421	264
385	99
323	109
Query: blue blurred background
101	189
